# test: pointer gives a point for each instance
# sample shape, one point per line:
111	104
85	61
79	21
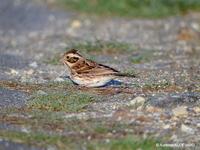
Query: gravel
12	98
8	145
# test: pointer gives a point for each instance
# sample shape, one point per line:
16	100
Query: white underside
93	82
90	82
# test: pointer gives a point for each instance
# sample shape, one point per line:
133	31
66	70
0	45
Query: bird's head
71	57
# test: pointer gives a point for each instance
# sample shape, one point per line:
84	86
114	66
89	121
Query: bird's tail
127	75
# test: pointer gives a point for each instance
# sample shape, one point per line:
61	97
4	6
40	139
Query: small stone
40	92
198	125
167	126
174	118
140	107
180	111
14	43
28	79
153	109
51	148
196	109
29	72
82	132
195	26
39	56
33	64
25	130
58	79
76	24
107	140
187	129
138	101
14	72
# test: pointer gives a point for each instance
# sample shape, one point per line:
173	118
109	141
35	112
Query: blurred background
157	39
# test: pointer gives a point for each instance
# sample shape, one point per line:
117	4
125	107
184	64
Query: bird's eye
67	57
73	59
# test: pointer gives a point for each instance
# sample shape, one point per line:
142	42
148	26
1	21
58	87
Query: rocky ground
163	102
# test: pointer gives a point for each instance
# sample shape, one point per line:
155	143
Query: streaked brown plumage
86	72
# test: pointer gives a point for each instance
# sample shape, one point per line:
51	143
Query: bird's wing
93	68
85	66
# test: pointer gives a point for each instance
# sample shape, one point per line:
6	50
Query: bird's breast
95	81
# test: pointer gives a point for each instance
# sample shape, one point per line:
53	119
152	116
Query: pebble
26	79
51	148
40	92
76	24
187	129
138	101
180	111
58	79
107	140
14	72
153	109
196	109
25	130
195	26
167	126
33	64
29	72
174	118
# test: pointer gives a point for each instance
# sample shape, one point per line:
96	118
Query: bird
88	73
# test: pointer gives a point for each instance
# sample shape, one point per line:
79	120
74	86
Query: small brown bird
88	73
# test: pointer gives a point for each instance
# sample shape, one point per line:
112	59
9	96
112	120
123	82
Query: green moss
142	56
127	143
131	72
101	129
98	46
104	46
139	59
134	8
130	144
157	85
71	102
36	138
63	142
